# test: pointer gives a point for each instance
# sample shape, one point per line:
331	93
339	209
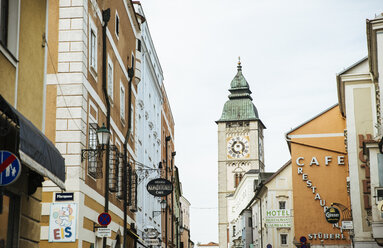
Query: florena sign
62	222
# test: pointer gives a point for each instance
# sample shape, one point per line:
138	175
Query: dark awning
35	149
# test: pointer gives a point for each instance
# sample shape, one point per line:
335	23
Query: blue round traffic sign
269	246
10	168
104	219
303	239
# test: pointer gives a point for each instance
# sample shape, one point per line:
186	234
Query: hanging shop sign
332	215
278	218
62	222
10	168
159	187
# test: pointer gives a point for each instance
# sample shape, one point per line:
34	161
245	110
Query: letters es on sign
332	215
159	187
10	168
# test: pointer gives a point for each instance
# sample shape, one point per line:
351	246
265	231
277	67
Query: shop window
283	239
282	205
9	219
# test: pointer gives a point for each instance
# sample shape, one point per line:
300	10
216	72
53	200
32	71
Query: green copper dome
239	107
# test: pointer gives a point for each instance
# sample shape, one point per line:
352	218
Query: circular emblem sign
332	215
269	246
159	187
10	168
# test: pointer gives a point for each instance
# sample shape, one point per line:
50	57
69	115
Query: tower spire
239	64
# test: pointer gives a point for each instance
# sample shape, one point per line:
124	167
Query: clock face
238	147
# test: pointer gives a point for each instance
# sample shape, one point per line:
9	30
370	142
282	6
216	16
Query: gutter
106	18
127	136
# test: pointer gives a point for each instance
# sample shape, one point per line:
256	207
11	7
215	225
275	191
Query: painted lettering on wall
364	165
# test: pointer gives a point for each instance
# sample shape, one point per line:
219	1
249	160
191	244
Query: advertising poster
62	222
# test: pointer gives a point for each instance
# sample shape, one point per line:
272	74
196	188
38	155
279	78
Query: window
110	78
117	25
131	117
379	195
282	205
94	161
9	22
283	239
113	168
250	221
92	46
139	45
122	102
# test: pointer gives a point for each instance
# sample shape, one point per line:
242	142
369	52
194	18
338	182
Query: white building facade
148	132
272	210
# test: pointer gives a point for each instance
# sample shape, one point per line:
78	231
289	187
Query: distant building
27	156
208	245
240	147
319	179
93	71
148	135
185	223
360	102
272	209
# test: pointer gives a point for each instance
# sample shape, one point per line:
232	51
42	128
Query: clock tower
240	146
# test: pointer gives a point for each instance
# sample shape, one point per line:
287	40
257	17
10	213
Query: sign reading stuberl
159	187
278	218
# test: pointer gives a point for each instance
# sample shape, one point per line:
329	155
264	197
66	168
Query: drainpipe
106	18
167	139
172	167
127	136
260	214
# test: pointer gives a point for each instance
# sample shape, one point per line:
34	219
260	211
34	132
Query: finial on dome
239	64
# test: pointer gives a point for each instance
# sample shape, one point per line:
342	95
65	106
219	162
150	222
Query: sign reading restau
159	187
62	222
278	218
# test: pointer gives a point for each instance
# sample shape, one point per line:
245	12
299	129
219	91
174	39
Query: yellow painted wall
31	56
7	79
329	180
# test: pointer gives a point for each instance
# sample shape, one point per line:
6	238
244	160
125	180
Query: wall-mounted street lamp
163	207
103	135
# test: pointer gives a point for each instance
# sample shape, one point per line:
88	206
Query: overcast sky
291	52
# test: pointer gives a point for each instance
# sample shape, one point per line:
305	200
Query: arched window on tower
237	179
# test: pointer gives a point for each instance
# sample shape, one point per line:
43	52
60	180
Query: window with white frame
122	102
92	46
110	78
282	205
9	22
117	29
283	238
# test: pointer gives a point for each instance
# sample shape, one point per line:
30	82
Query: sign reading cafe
159	187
